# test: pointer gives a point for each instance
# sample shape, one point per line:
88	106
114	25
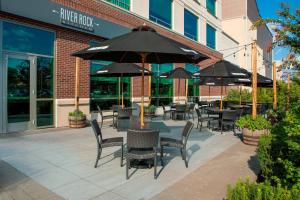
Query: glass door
29	92
18	92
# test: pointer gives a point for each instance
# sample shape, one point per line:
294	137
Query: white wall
140	7
227	46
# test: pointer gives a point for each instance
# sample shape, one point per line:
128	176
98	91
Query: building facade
37	39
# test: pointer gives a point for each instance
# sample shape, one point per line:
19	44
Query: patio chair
181	144
103	143
166	111
116	109
202	119
142	145
228	119
180	110
124	114
103	117
190	111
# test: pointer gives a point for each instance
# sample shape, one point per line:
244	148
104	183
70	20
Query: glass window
211	6
160	12
121	3
104	91
210	36
161	88
193	90
190	25
21	38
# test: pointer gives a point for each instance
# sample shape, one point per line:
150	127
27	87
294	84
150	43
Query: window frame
156	20
214	46
197	25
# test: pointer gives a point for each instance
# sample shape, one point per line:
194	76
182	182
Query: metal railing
159	21
191	36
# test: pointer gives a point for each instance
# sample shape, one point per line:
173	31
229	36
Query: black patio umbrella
179	73
262	81
121	70
142	45
223	69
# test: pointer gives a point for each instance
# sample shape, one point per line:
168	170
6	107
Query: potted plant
150	110
77	119
252	129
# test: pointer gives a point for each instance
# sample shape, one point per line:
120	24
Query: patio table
126	124
218	111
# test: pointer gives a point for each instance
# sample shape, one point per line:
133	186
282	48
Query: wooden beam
254	79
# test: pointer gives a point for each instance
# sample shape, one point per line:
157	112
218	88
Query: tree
287	32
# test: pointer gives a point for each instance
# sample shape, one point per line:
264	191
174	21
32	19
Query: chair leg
155	164
161	155
185	159
181	154
122	154
127	168
98	157
221	128
201	126
101	122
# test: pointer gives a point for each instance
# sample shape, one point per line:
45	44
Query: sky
267	9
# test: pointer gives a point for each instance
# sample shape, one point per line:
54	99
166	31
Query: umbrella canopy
224	69
210	81
121	70
262	81
178	73
143	39
142	45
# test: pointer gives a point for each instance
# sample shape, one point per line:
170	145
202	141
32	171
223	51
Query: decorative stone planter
252	137
77	122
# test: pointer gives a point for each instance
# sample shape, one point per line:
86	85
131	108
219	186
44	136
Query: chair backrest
239	112
192	106
186	132
124	113
180	108
142	138
116	108
163	106
229	115
198	112
99	110
97	131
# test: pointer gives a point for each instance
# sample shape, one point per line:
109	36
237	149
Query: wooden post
77	86
186	89
289	90
142	89
274	87
254	79
178	89
119	93
209	94
221	103
149	86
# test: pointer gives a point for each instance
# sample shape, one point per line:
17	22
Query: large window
193	90
161	88
211	6
210	36
161	12
190	25
105	91
121	3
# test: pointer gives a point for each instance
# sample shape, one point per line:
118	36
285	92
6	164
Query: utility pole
254	79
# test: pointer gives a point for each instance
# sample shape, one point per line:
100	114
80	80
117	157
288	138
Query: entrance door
29	92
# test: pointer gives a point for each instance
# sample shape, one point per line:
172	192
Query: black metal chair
181	144
142	145
103	117
116	109
228	119
103	143
124	114
190	111
180	109
202	119
166	111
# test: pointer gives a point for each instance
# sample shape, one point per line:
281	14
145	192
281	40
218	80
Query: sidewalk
209	182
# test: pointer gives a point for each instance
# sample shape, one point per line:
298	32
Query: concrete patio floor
62	161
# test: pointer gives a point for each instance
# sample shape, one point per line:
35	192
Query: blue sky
267	9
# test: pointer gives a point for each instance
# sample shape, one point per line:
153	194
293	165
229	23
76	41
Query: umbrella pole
149	87
209	94
254	79
274	87
77	66
142	89
119	94
186	89
240	95
178	89
122	93
221	103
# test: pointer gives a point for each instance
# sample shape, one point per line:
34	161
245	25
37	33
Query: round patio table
218	111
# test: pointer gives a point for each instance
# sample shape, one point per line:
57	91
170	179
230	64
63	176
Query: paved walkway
209	182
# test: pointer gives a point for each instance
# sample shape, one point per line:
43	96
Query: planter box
252	137
75	122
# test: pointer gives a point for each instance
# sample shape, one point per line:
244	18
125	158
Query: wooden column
274	88
77	85
186	89
254	79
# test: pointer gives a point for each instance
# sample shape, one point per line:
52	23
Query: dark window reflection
193	90
21	38
161	88
44	113
105	91
44	77
18	80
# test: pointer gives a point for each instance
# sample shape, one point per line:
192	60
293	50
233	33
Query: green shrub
77	114
246	190
259	123
150	109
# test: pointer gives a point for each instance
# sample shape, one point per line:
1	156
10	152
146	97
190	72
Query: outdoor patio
62	160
